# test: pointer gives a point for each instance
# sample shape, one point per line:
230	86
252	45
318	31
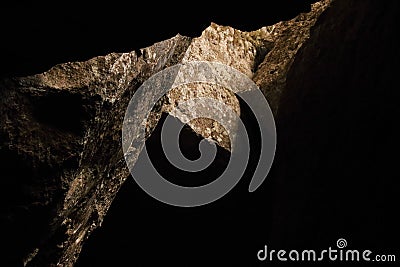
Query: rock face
61	130
336	123
59	126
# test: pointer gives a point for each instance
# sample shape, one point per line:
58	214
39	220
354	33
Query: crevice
262	52
138	52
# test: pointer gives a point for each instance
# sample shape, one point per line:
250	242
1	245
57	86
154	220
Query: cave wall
335	167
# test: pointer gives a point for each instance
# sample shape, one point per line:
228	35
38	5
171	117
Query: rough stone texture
240	50
70	164
205	127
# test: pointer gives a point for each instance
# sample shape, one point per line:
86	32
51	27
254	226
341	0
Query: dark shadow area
64	112
336	172
23	218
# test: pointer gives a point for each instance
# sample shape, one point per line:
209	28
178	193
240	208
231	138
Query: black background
37	35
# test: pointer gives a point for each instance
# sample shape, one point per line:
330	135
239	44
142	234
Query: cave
331	80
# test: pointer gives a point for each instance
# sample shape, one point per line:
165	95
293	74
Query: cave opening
140	230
